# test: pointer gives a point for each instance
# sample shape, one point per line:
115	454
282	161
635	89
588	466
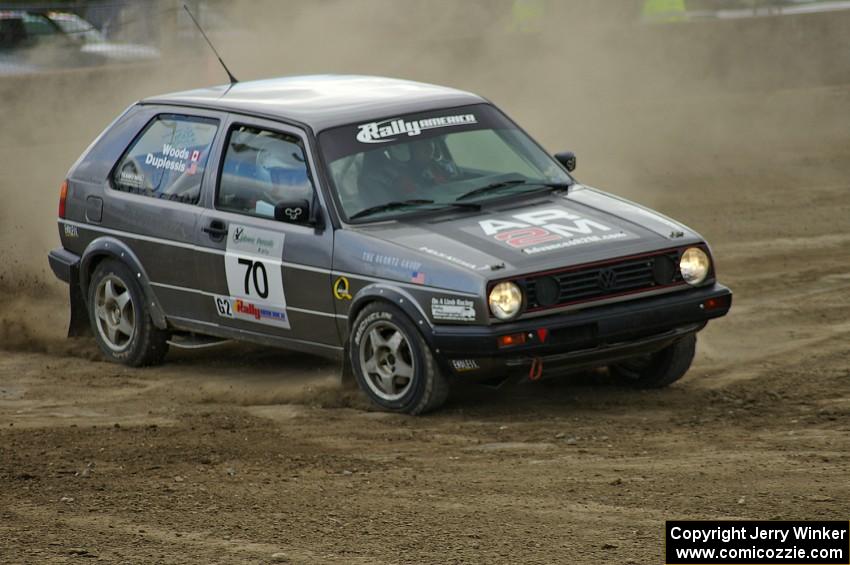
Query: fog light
512	339
715	303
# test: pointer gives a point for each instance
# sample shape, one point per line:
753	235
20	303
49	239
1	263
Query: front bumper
571	341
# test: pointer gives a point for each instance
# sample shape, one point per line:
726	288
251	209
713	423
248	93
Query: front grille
602	280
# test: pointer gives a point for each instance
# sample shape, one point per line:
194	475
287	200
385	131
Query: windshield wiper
464	205
490	188
389	206
496	186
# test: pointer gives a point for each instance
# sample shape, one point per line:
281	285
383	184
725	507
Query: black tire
134	340
425	390
659	369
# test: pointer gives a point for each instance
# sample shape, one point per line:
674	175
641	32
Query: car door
265	279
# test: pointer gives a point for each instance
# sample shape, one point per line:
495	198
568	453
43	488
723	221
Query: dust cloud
656	113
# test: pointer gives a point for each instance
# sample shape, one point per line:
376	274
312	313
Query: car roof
323	101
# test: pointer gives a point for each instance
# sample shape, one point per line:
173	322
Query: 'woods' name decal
549	230
389	130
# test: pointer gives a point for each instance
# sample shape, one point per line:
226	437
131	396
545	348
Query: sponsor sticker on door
239	309
253	267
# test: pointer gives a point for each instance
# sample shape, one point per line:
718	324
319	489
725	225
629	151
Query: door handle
216	229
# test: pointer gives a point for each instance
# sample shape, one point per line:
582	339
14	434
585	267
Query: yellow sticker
341	289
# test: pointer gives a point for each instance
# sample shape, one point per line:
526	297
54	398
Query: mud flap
79	325
346	373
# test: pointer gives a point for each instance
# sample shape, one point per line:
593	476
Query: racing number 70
255	270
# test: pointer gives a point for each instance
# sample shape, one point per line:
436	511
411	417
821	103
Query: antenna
229	74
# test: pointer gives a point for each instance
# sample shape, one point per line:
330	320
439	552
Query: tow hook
536	370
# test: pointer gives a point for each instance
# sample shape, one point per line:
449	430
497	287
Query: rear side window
168	159
261	169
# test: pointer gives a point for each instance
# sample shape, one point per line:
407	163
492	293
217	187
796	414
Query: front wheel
659	369
120	319
392	363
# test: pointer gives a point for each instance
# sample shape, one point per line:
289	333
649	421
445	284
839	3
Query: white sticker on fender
252	263
453	309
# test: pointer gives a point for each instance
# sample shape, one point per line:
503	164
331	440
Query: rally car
413	232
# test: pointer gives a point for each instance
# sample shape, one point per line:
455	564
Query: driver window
261	169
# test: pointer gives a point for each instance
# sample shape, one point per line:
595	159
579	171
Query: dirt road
241	453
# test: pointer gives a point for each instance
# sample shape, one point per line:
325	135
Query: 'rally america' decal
549	230
389	130
240	309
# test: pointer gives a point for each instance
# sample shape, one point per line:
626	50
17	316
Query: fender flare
398	297
111	247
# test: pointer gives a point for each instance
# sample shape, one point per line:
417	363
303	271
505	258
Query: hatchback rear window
168	159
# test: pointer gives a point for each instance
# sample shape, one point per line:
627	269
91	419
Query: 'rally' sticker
240	309
389	130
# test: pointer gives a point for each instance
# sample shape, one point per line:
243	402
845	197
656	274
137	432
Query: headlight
694	265
505	300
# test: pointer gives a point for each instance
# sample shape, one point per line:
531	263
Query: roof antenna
229	74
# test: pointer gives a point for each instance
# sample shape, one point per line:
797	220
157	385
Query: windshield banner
357	138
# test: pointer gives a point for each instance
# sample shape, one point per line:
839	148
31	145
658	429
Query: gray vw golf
412	231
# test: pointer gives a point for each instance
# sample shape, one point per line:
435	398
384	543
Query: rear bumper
64	264
576	340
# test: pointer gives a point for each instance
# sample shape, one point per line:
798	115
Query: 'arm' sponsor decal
548	230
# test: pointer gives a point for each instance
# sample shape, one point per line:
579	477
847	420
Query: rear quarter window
168	159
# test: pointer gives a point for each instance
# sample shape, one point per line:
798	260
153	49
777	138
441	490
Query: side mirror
567	159
293	212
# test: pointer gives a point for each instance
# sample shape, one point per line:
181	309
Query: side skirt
322	350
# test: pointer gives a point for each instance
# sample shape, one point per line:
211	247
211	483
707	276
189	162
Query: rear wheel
659	369
120	318
392	363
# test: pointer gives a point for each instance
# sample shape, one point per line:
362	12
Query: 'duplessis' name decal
388	130
173	159
548	230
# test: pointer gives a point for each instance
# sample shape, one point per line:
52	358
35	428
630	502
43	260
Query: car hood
551	231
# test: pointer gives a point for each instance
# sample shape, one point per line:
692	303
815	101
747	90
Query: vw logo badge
607	279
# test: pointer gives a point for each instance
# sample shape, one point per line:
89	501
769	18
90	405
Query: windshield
434	160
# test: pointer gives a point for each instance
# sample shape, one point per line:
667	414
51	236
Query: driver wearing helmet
422	165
